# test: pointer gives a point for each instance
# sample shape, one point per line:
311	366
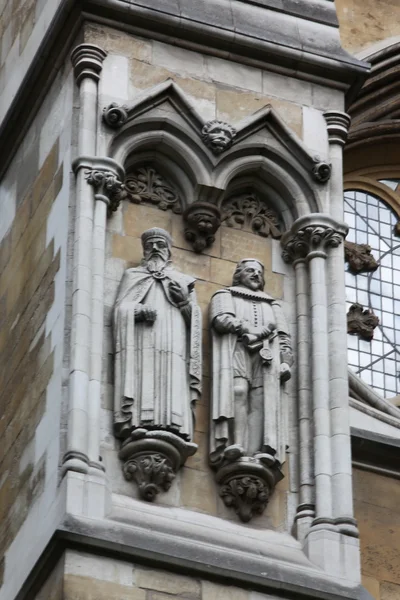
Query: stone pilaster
87	61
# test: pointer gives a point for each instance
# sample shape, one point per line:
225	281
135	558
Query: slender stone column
342	495
308	241
87	61
306	508
108	187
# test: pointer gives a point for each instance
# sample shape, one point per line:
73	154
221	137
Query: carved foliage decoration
247	211
152	472
361	322
310	238
147	185
107	184
247	494
359	257
321	170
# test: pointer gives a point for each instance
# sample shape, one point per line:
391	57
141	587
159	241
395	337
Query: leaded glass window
372	222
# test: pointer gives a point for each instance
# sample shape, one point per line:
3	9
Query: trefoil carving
218	136
147	185
115	115
361	321
247	211
107	185
359	257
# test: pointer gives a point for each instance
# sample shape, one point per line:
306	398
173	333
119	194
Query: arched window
373	222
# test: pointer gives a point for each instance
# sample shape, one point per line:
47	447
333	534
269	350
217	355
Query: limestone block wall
23	24
365	24
376	503
84	576
34	201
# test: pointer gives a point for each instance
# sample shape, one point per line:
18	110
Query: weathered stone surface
162	581
89	588
214	591
389	591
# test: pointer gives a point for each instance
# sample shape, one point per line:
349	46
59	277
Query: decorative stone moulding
146	185
218	136
248	211
317	237
361	321
202	221
321	170
115	115
108	187
87	60
152	460
246	483
359	257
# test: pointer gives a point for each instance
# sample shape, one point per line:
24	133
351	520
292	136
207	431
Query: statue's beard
155	263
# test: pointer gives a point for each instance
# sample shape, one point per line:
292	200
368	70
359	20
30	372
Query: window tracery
372	222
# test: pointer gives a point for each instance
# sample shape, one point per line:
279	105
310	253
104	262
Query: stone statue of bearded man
251	360
157	334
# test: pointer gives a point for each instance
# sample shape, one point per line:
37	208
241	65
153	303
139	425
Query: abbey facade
199	300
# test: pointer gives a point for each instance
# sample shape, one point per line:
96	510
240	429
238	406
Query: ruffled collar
238	290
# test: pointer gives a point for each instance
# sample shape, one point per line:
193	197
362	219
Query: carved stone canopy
361	321
249	211
359	257
146	185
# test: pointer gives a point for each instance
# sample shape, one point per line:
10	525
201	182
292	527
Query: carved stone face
252	276
218	136
156	247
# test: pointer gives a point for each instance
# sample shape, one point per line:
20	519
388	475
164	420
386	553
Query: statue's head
218	136
249	273
156	243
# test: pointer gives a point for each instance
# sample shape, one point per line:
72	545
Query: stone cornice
233	28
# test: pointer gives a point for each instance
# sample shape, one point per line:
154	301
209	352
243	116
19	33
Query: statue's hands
285	372
178	294
261	332
145	313
149	314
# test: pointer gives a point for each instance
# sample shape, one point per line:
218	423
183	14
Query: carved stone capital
87	60
202	221
115	115
361	321
321	170
152	460
359	257
247	483
337	124
108	186
313	233
218	136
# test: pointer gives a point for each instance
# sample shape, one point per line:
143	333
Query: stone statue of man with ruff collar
251	358
157	336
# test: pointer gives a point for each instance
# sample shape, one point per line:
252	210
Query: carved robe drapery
157	365
231	359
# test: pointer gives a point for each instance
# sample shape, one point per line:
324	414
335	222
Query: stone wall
83	576
34	198
377	510
367	23
22	27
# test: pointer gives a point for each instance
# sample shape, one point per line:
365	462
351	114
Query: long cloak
158	365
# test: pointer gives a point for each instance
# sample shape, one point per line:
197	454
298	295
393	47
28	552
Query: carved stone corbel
310	238
152	459
202	221
359	257
321	170
247	483
361	321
